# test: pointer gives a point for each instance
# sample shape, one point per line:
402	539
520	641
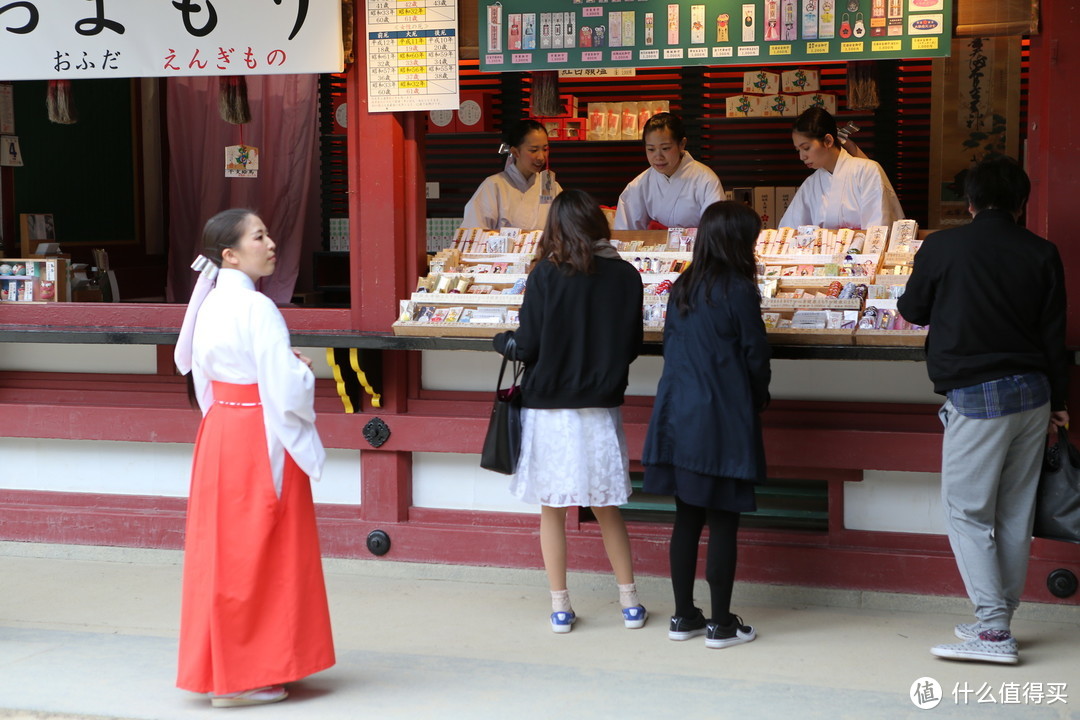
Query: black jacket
716	381
993	294
578	335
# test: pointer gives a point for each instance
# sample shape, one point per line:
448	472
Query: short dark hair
575	222
998	182
665	121
816	122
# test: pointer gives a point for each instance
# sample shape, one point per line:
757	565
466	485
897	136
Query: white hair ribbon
207	275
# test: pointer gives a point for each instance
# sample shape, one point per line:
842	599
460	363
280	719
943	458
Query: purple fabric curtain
284	127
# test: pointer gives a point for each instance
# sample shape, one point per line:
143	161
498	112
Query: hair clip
504	148
205	266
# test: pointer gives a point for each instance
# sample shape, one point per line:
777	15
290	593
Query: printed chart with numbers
412	51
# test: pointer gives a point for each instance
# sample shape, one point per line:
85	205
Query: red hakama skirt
254	610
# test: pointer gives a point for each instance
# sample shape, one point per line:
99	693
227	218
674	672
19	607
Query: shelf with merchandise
35	280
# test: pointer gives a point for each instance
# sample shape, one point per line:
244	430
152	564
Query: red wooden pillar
387	208
1053	154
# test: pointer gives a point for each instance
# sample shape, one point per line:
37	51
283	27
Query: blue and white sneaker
635	617
562	622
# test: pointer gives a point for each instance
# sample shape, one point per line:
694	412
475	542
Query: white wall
137	468
895	501
456	481
55	357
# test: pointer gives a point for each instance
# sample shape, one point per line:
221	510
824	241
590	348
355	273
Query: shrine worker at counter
676	188
844	191
521	194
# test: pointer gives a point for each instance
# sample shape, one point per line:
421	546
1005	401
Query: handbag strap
1066	451
508	350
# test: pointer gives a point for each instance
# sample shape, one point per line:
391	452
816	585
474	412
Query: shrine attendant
676	188
254	613
521	194
844	191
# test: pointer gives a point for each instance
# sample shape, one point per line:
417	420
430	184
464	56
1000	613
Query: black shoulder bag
502	446
1057	505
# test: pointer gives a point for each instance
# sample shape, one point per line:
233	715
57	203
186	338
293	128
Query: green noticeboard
521	35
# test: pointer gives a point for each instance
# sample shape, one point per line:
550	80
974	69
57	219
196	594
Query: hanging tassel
233	100
545	93
60	103
862	86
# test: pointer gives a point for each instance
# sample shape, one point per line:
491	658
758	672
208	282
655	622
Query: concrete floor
91	632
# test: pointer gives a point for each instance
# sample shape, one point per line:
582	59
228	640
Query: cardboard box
779	106
823	100
799	81
744	106
760	82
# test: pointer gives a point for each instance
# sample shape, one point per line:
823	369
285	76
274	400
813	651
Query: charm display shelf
34	280
798	288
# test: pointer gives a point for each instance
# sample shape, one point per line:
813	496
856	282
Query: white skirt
572	457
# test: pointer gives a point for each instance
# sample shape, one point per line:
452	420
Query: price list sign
412	55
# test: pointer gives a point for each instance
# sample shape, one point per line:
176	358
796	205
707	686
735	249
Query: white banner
54	39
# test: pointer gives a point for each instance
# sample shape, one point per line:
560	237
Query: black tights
719	561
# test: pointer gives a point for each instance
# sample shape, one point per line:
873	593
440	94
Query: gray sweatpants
989	477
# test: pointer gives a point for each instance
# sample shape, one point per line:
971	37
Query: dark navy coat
715	383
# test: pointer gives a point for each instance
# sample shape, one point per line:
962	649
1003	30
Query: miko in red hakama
254	610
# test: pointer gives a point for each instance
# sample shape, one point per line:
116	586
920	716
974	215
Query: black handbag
502	445
1057	505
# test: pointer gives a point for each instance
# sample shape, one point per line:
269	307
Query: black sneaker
682	628
722	636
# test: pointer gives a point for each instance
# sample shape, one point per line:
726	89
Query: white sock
560	601
628	595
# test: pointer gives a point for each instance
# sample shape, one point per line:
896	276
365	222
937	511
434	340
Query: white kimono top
241	338
507	199
856	194
676	201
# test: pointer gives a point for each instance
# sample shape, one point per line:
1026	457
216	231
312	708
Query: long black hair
723	250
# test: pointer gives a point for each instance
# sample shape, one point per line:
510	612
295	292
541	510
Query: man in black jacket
993	294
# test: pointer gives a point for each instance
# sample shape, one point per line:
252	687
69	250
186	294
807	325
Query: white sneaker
996	646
